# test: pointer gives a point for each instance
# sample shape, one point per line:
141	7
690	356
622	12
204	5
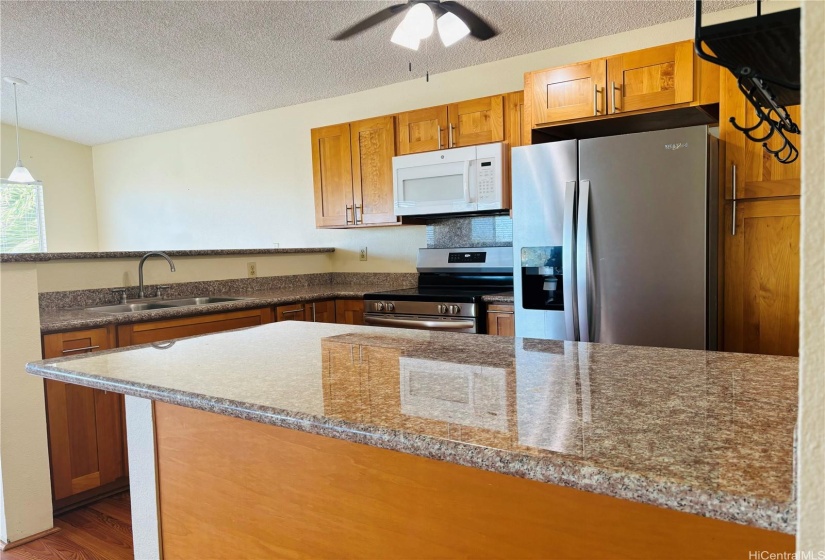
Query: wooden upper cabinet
758	173
422	130
373	147
761	294
650	78
516	124
568	92
332	175
86	428
476	121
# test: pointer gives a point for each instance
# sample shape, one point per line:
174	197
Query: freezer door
646	219
544	192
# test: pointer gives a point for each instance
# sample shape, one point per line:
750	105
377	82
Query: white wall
26	505
247	182
65	168
811	467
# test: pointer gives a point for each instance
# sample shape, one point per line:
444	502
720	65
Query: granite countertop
503	297
701	432
57	320
84	255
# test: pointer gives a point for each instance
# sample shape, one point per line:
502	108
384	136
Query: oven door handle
393	322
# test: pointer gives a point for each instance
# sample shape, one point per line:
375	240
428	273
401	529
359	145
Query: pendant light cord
16	121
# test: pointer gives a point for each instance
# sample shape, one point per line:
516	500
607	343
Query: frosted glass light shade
20	174
451	29
403	36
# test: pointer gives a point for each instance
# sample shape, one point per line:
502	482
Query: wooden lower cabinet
157	331
292	312
349	311
501	320
368	502
761	291
86	427
322	311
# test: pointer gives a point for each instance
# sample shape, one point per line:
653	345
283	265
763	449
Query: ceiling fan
454	22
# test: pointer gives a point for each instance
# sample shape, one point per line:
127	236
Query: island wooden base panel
232	488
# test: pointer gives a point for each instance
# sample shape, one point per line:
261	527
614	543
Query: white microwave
467	179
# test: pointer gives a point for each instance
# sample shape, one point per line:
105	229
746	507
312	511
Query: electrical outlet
252	269
276	245
363	254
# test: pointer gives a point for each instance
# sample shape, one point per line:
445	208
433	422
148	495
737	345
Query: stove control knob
379	306
442	308
455	310
390	306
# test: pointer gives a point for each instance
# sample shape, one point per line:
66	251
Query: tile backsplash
470	231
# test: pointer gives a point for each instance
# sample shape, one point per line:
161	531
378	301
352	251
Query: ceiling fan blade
479	28
371	21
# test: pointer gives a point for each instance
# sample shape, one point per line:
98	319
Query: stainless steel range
451	283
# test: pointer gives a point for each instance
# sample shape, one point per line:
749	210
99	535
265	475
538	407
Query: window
22	227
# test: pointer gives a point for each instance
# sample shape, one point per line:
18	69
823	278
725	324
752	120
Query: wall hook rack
763	54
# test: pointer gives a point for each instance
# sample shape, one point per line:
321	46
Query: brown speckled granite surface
503	297
43	257
700	432
65	311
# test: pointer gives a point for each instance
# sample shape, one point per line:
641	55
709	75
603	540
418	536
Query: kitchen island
321	440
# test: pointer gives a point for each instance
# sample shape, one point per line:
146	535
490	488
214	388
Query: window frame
40	210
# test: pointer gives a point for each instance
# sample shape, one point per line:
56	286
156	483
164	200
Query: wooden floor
100	531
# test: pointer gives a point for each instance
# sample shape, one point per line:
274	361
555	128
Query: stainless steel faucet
143	260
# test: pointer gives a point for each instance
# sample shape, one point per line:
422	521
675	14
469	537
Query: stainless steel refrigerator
614	239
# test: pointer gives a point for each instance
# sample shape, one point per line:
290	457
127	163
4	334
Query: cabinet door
373	147
349	311
332	175
294	312
650	78
158	331
568	92
322	311
422	130
500	320
761	292
516	133
476	121
758	173
86	427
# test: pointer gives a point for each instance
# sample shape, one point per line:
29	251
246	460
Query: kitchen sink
162	304
129	307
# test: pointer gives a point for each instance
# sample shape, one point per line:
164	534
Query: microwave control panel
489	175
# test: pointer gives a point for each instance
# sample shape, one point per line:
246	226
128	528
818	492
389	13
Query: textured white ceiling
104	71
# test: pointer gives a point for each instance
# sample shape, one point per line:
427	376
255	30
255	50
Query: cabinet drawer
157	331
294	312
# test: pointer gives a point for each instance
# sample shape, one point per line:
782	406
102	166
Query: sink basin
129	307
199	301
162	304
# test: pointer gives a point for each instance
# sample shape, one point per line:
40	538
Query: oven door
435	182
423	322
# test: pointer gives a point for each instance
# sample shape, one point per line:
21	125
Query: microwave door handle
467	164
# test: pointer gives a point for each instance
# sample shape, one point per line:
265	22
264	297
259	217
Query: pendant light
19	174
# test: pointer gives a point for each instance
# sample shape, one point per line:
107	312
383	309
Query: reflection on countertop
702	432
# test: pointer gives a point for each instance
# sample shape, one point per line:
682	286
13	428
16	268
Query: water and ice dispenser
542	278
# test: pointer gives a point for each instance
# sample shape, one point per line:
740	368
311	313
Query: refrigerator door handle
568	270
582	238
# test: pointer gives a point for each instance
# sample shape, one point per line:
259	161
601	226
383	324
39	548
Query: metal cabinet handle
290	311
81	349
596	99
613	96
733	199
346	214
356	208
451	143
439	137
313	311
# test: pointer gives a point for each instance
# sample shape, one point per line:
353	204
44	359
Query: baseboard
20	542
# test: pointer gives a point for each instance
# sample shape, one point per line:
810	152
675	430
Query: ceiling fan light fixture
451	29
418	24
